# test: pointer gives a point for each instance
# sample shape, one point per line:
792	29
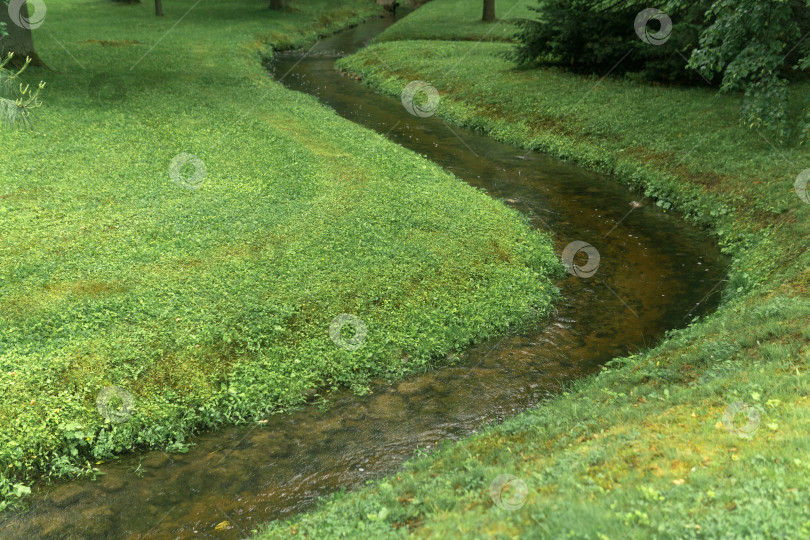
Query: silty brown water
656	273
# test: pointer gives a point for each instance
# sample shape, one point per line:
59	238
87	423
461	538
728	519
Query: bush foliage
749	46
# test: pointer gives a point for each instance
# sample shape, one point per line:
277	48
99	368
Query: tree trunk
159	8
276	4
19	40
489	11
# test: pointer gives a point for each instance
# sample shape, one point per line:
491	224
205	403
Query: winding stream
655	274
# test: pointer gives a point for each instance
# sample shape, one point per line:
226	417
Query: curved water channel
656	273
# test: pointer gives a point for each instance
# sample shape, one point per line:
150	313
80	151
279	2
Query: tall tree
489	10
18	38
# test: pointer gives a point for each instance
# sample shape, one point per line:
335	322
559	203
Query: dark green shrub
597	37
753	47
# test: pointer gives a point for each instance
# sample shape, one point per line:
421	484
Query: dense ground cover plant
198	298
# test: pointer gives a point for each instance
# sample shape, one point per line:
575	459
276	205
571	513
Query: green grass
459	20
213	304
641	450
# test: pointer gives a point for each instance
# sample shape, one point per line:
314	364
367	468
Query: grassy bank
651	447
205	293
458	20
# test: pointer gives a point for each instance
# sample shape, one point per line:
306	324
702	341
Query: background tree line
757	47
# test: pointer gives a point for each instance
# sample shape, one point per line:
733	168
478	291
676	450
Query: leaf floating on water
223	526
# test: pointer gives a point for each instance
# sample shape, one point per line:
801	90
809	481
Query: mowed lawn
206	292
459	20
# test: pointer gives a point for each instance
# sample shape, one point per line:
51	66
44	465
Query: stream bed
656	273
